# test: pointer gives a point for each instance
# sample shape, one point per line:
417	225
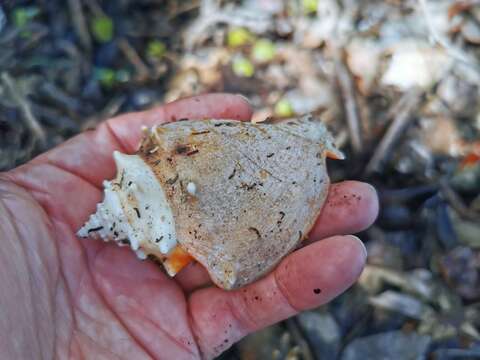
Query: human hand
66	297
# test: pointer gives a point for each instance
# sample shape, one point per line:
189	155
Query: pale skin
65	297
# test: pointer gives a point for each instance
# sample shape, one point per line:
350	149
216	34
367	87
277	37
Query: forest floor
396	81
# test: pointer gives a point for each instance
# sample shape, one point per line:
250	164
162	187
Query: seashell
235	196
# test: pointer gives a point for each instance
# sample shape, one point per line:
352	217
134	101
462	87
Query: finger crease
284	292
116	139
242	314
74	173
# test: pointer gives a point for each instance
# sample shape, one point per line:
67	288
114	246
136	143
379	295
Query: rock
350	308
141	98
317	96
401	303
459	95
381	253
322	333
414	157
395	217
471	32
438	329
107	54
468	232
270	343
475	205
363	59
418	282
461	269
407	241
440	135
460	354
388	345
467	179
416	64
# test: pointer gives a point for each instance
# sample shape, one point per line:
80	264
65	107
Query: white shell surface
134	210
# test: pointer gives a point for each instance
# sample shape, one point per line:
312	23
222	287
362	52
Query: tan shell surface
258	189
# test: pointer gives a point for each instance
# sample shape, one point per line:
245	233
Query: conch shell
235	196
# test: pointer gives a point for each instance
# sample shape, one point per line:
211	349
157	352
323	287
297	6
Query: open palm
71	298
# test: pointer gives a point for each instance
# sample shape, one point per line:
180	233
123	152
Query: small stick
299	339
457	203
341	138
110	110
410	101
135	59
95	8
347	88
183	8
408	193
25	108
60	97
79	23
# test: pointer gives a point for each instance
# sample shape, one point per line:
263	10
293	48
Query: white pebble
191	188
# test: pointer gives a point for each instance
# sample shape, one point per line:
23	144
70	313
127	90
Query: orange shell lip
335	155
177	260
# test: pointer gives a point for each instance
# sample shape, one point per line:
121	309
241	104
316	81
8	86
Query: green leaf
263	50
105	76
102	29
22	15
156	49
283	108
243	67
310	6
239	37
122	76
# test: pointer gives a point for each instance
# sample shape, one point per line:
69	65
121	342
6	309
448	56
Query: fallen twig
181	8
408	193
25	108
111	109
143	72
80	24
341	138
347	88
410	101
95	8
457	203
60	97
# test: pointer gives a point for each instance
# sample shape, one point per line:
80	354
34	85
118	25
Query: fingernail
374	190
244	98
362	245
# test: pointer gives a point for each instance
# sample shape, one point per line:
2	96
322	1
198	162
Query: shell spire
134	210
235	196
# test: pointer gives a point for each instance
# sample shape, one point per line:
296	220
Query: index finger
305	279
89	155
217	106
